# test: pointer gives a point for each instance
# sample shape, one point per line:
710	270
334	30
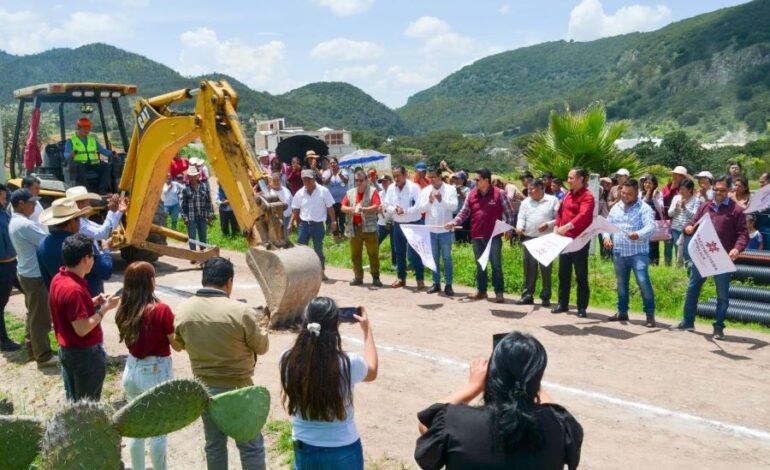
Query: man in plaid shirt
197	210
631	249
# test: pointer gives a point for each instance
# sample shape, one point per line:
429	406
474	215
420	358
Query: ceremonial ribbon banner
500	227
706	251
546	248
418	237
760	200
599	225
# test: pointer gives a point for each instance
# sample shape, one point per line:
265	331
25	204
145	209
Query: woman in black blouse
517	427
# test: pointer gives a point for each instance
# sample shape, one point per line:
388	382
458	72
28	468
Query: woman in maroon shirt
147	327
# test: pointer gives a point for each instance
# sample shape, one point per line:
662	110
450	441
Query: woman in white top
682	210
317	380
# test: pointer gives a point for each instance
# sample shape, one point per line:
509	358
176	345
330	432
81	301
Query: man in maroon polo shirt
76	323
575	215
484	205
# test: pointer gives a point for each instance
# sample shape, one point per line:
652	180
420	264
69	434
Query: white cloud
27	32
346	50
504	9
439	39
346	7
255	64
589	21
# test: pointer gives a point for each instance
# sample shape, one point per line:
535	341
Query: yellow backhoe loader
289	275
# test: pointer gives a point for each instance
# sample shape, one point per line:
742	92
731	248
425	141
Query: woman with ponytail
147	327
516	427
317	380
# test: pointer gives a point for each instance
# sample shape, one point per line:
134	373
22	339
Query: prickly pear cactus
81	436
241	413
162	409
19	441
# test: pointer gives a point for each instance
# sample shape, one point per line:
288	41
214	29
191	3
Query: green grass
15	327
279	431
669	283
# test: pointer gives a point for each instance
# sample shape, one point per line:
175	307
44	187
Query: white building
270	133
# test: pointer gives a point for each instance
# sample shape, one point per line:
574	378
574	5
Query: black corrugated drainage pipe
756	294
754	258
760	275
735	314
744	304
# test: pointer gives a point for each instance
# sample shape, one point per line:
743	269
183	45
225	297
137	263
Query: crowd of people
59	258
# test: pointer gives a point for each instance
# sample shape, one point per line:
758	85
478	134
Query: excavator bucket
289	277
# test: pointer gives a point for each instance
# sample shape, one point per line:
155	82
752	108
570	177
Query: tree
678	148
580	139
756	121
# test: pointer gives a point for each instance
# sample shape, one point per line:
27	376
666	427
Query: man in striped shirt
630	249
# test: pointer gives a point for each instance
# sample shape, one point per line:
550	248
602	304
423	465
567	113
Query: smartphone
496	338
118	293
346	314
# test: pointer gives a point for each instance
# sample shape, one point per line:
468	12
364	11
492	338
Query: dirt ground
646	398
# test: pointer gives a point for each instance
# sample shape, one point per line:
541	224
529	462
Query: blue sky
391	49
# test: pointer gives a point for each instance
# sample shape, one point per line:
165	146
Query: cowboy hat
311	154
62	210
80	193
192	171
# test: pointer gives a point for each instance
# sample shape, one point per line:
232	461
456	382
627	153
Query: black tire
132	254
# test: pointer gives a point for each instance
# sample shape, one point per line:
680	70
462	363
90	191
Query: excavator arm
289	275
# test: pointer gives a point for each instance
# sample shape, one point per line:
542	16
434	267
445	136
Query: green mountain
710	73
334	105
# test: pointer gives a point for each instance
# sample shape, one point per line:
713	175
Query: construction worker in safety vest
82	150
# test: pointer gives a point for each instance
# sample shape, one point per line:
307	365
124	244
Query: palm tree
582	139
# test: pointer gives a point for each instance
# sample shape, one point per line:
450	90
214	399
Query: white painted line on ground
656	410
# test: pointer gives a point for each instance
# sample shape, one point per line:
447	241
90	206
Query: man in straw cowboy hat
197	210
116	206
83	150
63	219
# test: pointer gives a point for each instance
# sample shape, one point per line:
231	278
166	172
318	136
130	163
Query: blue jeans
722	282
307	457
173	212
286	225
197	230
638	264
314	231
495	259
382	234
402	250
139	376
441	244
252	452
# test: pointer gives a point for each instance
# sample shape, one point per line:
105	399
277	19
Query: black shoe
719	333
448	290
524	301
357	282
546	303
7	345
682	326
618	317
434	289
559	309
582	313
376	282
650	323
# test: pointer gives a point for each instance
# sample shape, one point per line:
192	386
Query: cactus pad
165	408
19	441
241	413
6	406
81	436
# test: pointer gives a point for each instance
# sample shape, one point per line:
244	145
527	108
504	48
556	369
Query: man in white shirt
439	201
537	215
33	184
277	188
311	206
384	219
170	198
115	206
403	202
25	237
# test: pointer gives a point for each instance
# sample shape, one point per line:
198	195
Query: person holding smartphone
517	426
146	325
323	427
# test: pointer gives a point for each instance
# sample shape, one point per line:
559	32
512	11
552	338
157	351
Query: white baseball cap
680	170
622	172
705	174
